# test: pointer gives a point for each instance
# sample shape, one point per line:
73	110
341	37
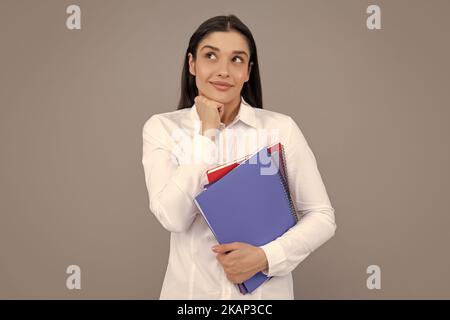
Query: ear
191	64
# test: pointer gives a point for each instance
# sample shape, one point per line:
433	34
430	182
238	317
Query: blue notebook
250	204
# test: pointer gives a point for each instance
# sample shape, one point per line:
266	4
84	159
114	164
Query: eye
210	54
242	60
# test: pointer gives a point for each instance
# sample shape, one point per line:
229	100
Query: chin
225	97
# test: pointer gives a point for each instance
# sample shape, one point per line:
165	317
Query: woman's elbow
332	223
328	222
333	229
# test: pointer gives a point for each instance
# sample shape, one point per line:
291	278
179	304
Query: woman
219	114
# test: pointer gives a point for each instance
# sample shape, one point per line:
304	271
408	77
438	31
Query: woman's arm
171	187
317	223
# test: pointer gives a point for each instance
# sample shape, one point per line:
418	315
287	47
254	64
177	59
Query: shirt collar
245	114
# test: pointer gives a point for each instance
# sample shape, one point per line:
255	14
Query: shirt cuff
205	150
276	257
200	154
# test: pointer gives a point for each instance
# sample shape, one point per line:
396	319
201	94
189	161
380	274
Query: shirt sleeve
175	173
317	221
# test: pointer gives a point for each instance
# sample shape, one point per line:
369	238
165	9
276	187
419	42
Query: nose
223	69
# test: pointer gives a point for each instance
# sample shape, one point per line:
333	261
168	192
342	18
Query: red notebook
218	172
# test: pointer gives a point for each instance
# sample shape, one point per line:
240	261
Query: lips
220	85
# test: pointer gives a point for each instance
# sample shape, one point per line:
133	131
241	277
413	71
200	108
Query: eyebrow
217	49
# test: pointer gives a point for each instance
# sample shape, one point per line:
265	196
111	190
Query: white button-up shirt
175	158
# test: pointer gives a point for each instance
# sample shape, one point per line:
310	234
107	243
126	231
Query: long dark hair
251	91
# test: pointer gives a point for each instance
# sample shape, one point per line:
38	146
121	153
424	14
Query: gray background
373	105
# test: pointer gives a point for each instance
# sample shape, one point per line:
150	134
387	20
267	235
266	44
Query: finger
200	99
223	248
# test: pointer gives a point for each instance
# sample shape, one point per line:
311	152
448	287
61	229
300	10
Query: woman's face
221	57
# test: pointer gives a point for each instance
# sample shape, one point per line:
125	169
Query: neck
230	111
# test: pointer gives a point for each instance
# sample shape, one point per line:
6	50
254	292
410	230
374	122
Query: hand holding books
240	261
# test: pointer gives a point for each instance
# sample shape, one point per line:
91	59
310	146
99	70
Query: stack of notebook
249	201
